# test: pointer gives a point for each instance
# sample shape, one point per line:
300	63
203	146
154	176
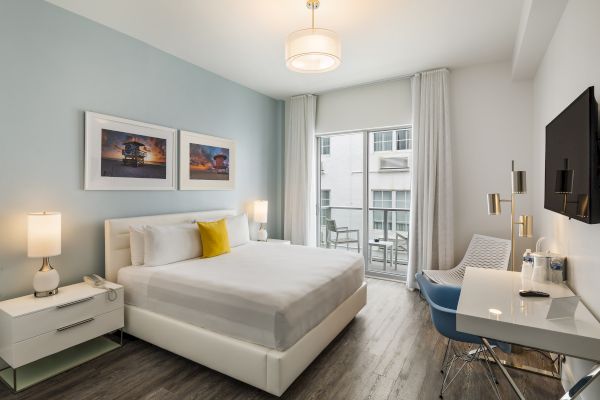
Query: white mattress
268	294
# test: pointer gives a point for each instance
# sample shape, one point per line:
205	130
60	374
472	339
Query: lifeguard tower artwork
126	155
209	162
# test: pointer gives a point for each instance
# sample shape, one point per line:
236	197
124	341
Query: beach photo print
128	155
205	162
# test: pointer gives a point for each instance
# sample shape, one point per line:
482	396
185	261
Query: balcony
348	222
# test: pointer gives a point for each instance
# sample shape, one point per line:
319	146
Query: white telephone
100	283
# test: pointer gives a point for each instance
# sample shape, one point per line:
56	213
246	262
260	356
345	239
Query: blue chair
443	301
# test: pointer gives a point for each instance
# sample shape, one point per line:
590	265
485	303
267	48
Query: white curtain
300	200
431	221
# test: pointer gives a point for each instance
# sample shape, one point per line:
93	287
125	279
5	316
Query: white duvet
268	294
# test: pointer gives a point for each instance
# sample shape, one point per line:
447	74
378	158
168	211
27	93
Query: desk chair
443	301
483	252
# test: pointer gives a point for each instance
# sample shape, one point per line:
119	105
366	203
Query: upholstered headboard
116	235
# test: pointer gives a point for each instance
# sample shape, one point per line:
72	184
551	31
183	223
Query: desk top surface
490	306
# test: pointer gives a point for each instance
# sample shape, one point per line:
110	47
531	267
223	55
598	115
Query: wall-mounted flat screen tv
572	171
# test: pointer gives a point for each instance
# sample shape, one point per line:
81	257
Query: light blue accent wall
54	65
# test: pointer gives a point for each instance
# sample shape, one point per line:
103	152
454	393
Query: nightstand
277	241
42	337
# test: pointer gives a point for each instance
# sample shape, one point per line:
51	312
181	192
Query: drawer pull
64	328
74	302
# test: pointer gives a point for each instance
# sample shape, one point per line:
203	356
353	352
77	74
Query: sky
113	143
201	156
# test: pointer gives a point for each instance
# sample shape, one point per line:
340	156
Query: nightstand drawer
48	320
65	336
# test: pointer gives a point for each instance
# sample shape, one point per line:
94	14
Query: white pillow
237	230
136	244
166	244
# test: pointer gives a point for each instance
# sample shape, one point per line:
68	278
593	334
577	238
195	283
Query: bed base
267	369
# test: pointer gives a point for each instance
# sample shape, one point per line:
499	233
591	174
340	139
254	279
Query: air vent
396	163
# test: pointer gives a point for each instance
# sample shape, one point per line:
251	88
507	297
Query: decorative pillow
166	244
136	244
214	238
237	230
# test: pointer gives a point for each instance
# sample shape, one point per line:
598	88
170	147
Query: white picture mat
563	307
185	183
94	123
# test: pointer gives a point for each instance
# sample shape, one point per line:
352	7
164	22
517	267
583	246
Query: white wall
491	118
571	64
491	121
374	105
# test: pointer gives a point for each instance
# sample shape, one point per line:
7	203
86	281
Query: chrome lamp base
46	280
46	293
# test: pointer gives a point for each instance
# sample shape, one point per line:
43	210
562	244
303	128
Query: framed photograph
121	154
206	162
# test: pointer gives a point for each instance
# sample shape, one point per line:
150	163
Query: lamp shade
493	204
313	50
526	226
261	211
43	234
519	182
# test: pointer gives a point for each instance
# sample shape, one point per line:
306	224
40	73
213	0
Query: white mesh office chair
483	252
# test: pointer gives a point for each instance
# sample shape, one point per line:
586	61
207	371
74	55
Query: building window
402	217
325	205
325	146
404	139
383	141
381	199
403	199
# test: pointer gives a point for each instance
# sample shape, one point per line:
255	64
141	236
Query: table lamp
43	240
261	210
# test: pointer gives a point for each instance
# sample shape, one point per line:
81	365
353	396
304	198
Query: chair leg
445	356
467	358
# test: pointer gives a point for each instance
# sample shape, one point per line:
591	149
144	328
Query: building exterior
341	181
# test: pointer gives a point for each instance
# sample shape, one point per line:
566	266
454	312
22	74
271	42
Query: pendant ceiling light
313	50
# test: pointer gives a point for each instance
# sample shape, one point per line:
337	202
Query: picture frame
123	154
206	162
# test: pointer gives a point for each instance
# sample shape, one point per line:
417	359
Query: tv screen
572	171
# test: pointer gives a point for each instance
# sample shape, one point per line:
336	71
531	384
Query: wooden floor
390	351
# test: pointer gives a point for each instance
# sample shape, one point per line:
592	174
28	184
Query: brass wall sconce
563	185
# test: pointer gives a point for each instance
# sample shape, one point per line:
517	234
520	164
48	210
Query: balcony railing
351	218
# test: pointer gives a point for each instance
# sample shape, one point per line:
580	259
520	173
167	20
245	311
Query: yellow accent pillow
214	237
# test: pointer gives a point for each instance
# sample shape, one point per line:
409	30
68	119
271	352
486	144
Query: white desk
490	307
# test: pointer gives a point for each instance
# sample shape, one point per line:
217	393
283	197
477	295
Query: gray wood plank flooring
390	351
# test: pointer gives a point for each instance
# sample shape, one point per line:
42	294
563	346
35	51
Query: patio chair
400	247
483	252
345	238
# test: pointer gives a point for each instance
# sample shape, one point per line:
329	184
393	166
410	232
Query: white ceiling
243	40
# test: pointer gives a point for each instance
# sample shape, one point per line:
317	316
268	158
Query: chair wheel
441	396
442	372
496	380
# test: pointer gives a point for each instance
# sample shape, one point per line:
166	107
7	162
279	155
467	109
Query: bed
260	314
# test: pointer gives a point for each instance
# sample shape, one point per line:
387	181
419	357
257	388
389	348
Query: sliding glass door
390	155
340	191
366	212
